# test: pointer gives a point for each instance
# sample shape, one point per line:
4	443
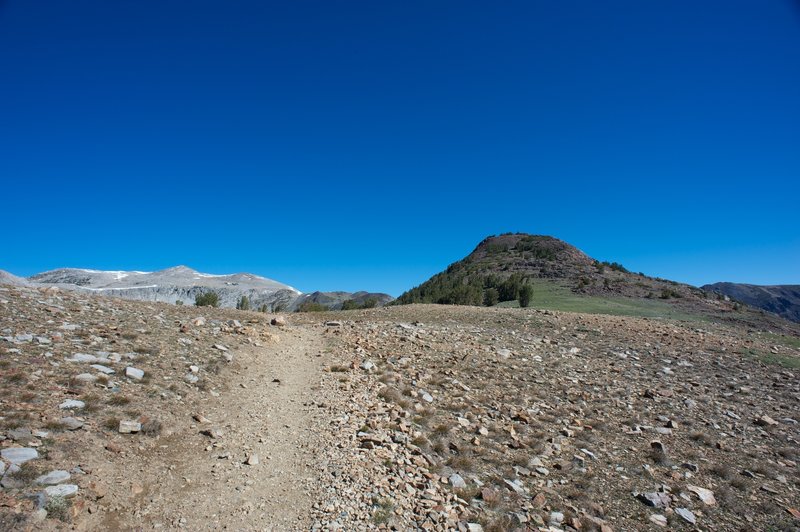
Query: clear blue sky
366	145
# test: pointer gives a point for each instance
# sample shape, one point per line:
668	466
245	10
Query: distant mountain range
184	284
783	300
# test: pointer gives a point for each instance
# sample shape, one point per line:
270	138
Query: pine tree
525	295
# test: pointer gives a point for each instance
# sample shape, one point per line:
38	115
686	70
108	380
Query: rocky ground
130	415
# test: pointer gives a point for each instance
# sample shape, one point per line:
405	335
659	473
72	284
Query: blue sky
366	145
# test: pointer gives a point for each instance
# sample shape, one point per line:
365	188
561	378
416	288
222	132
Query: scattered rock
129	427
686	515
62	490
134	373
72	404
102	369
71	423
18	455
457	481
705	495
766	421
53	477
655	499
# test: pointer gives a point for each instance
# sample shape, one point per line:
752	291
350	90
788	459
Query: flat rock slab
705	495
71	404
129	427
686	515
19	455
134	373
71	423
19	434
62	490
102	369
82	357
52	478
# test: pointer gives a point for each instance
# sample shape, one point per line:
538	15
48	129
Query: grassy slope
551	295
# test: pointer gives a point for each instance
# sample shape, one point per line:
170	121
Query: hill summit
510	261
542	271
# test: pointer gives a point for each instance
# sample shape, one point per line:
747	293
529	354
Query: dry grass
702	437
151	427
54	426
118	400
28	472
18	378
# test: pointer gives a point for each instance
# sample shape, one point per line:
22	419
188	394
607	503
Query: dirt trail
199	482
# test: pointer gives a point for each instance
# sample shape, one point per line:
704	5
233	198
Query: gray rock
134	373
367	365
252	460
428	398
191	378
71	404
457	481
705	495
19	455
52	478
19	434
62	490
504	353
655	499
86	377
129	427
516	486
10	481
556	518
82	357
102	369
658	520
71	423
687	515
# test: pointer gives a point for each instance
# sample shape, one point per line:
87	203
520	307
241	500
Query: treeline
460	288
350	304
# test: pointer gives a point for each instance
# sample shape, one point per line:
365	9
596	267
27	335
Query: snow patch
118	288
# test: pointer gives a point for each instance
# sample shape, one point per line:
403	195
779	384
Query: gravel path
246	464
